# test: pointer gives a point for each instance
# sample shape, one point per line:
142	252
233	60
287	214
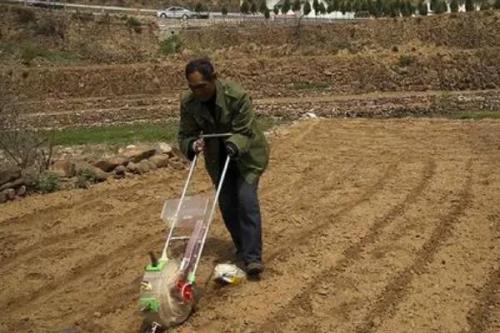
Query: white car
176	12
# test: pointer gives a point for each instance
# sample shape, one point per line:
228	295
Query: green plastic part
191	278
149	304
158	268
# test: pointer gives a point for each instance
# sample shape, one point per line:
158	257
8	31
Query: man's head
201	78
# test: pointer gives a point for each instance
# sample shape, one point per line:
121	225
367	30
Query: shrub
47	182
245	7
224	10
422	8
454	6
85	178
171	45
84	17
406	60
307	8
267	13
134	24
49	26
497	4
469	5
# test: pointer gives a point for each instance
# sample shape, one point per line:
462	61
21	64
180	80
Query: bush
85	178
267	13
134	24
497	4
454	6
439	7
406	60
296	6
47	182
224	11
171	45
307	8
24	15
49	26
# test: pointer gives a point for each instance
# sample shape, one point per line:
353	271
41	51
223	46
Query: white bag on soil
228	273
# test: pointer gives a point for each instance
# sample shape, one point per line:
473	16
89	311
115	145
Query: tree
276	10
469	5
440	7
296	6
316	6
224	10
267	13
331	7
406	8
253	7
307	8
286	7
454	6
422	8
262	6
321	8
245	7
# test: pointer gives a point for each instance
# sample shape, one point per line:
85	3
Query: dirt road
370	226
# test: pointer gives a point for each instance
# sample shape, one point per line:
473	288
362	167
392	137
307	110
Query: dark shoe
254	268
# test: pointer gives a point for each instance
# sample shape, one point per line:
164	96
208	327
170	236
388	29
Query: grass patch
474	115
29	51
133	133
117	134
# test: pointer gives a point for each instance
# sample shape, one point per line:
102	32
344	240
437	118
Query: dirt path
370	226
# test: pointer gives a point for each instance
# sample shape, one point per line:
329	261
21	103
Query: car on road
180	13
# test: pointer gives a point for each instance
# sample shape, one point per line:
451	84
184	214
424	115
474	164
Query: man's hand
231	150
198	146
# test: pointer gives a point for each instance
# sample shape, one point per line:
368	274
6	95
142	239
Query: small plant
134	24
47	182
171	45
85	178
406	60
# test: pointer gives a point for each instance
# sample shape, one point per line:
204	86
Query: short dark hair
203	66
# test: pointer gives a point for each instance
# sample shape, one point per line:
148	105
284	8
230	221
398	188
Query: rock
21	191
110	164
10	193
136	155
132	167
100	175
64	168
82	165
9	175
164	148
16	183
143	166
160	161
3	197
120	170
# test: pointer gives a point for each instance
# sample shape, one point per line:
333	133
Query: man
218	106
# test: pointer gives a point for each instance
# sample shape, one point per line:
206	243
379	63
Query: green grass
117	134
132	133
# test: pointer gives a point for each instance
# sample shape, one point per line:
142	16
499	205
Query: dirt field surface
369	226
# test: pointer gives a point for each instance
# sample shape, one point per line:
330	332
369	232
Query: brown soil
369	226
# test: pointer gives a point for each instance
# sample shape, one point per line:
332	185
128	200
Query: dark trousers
240	209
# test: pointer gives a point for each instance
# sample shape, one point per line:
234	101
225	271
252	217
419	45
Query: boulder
10	193
143	166
64	168
161	161
164	148
9	175
136	155
21	191
109	165
3	197
132	167
120	170
16	183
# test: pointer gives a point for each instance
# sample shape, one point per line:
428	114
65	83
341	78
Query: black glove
231	150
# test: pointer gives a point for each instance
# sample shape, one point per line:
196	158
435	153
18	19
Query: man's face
202	89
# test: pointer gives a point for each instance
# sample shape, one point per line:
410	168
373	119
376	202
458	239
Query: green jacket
234	114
